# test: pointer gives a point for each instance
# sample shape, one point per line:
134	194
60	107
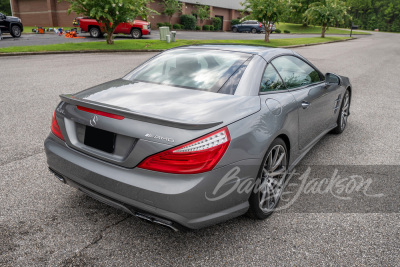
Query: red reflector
55	128
200	155
101	113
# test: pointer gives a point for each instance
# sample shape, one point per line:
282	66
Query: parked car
163	142
136	29
12	25
252	26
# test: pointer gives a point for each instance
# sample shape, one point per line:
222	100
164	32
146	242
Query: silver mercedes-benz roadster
170	141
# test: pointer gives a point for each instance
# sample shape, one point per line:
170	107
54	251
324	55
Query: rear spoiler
138	116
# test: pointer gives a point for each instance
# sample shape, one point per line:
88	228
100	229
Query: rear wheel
95	32
136	33
343	114
253	30
15	31
235	29
271	181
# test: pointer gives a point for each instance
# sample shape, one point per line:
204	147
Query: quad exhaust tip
58	176
156	220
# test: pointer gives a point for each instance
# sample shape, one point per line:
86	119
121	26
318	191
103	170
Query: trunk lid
157	117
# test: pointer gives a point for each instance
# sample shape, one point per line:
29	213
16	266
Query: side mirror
332	79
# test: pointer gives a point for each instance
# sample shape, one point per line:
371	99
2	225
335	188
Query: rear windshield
198	69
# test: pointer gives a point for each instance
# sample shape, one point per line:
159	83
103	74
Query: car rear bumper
182	199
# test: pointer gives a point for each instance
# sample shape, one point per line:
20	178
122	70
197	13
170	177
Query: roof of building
229	4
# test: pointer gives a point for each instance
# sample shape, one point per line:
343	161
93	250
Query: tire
95	32
271	181
235	29
253	30
136	33
15	31
343	114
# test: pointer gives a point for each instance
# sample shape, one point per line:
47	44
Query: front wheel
235	29
15	31
343	114
271	180
136	33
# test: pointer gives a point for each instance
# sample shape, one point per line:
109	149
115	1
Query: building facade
51	13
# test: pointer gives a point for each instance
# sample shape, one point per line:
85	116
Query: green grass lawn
298	28
156	44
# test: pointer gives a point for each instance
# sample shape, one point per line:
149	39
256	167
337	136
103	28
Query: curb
135	50
77	52
303	45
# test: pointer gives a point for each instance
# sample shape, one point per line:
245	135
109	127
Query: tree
297	9
171	7
326	13
265	11
203	13
5	7
110	13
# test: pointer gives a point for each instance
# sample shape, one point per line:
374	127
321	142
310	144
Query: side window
271	80
295	72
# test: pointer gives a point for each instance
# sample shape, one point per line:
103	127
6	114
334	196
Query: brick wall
44	13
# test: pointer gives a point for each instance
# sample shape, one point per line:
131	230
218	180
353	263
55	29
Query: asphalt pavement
44	222
51	38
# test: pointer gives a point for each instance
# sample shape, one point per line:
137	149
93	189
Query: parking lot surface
44	222
51	38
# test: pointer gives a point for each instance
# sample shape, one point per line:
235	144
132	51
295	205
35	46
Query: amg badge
160	137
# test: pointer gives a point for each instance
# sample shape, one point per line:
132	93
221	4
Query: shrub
286	31
278	31
206	27
235	21
177	26
217	23
198	28
160	24
188	22
167	24
212	28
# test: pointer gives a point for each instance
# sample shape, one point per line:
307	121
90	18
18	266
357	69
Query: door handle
305	104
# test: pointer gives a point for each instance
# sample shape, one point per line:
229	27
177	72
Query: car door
2	22
245	26
313	98
121	28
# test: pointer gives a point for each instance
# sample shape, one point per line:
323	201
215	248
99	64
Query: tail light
55	128
260	25
200	155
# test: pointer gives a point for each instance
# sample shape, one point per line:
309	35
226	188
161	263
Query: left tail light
200	155
55	128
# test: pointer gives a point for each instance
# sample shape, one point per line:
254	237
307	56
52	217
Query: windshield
199	69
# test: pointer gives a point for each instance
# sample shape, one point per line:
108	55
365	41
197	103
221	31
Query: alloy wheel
136	34
94	32
345	111
272	179
16	31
